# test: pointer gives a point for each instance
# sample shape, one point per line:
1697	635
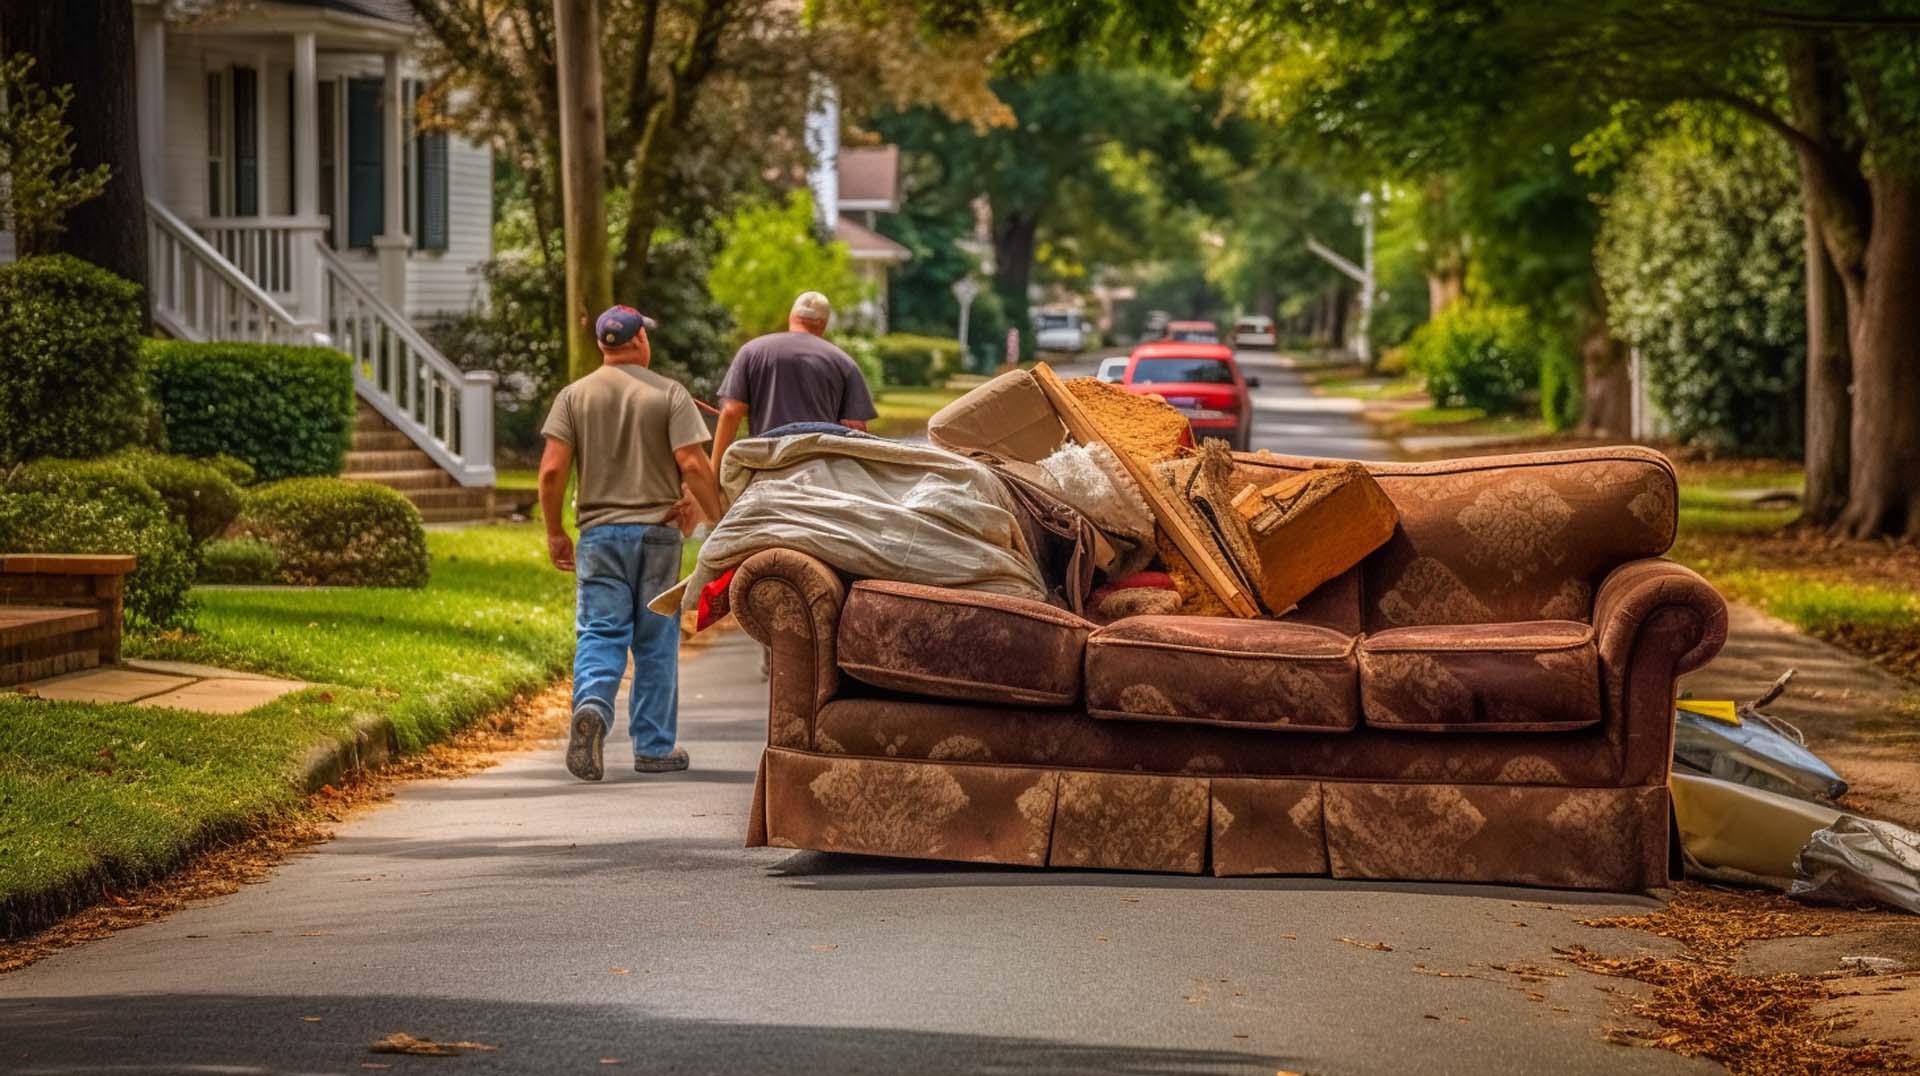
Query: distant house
293	197
851	188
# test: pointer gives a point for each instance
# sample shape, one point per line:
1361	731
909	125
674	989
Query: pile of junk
1080	494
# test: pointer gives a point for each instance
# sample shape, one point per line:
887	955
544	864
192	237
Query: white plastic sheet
872	508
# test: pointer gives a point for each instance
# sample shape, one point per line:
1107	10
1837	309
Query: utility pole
1361	274
583	176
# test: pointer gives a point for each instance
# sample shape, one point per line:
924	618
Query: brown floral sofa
1486	698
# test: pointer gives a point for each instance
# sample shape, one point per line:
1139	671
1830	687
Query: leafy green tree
1701	256
1058	164
36	158
770	254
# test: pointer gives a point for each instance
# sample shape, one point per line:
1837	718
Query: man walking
635	439
794	376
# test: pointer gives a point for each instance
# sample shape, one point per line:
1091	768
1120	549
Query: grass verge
95	797
904	411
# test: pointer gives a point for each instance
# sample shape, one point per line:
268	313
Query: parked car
1254	331
1192	332
1113	369
1060	330
1202	381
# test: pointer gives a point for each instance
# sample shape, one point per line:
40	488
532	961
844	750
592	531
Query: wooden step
366	418
26	623
409	459
389	440
425	478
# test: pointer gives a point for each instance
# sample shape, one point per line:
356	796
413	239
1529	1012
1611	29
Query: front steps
381	453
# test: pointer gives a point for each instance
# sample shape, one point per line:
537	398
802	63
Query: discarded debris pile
1755	807
1228	544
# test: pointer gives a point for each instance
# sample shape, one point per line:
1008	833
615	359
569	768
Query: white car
1113	369
1059	330
1255	331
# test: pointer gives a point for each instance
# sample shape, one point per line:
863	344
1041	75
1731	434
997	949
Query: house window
430	213
216	145
366	216
246	142
329	157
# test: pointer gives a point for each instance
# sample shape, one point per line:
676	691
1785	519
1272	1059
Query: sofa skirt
1537	835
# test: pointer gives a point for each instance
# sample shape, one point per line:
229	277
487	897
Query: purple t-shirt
796	377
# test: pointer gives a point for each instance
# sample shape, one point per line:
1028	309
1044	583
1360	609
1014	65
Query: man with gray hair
795	376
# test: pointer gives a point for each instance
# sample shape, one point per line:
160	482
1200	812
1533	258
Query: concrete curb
373	743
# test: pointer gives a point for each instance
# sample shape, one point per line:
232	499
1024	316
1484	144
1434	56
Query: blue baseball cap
619	325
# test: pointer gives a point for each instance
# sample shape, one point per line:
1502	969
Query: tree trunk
1829	406
1606	409
1339	306
1883	497
1443	290
88	44
1013	236
583	176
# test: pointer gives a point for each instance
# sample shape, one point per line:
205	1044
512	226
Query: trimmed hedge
197	495
285	410
70	373
906	359
238	560
102	506
333	532
1478	355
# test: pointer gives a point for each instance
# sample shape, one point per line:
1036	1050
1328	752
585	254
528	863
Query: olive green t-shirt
624	422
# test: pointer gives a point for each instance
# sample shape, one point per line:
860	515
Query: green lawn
904	412
118	794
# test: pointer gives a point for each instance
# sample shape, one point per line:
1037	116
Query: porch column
392	242
308	288
262	130
150	74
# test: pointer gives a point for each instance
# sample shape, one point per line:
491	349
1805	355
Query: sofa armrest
790	602
1653	620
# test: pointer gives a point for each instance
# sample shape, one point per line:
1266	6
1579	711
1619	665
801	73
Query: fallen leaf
1238	1035
1291	937
311	1019
611	1061
402	1043
621	971
1378	947
315	933
1100	937
824	948
1428	1016
1129	900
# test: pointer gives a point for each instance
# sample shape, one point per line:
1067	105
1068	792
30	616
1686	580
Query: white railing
200	295
270	250
448	412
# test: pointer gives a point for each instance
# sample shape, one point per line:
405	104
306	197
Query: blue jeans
620	566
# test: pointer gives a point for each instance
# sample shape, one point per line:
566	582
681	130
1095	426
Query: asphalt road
622	927
1287	416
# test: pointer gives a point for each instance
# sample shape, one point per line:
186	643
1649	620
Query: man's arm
555	462
856	400
725	427
696	473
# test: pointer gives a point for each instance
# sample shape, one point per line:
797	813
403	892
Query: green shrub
285	410
237	470
101	506
238	560
1562	387
906	359
197	495
865	355
333	532
70	379
1702	254
1477	355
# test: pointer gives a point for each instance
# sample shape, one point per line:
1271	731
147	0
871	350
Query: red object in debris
713	601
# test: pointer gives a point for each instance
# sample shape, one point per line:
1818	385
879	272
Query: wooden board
1197	548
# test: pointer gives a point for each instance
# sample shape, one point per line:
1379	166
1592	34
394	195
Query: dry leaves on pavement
402	1043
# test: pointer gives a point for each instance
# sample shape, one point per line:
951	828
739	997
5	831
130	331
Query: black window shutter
432	216
366	215
246	142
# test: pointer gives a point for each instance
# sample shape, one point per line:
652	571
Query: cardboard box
1311	526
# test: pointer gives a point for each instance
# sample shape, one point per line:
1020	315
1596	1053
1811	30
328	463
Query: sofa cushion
961	644
1536	676
1221	671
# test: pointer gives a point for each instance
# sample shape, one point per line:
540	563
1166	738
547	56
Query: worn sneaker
673	762
584	745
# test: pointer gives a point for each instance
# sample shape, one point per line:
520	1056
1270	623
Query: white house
293	197
849	181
